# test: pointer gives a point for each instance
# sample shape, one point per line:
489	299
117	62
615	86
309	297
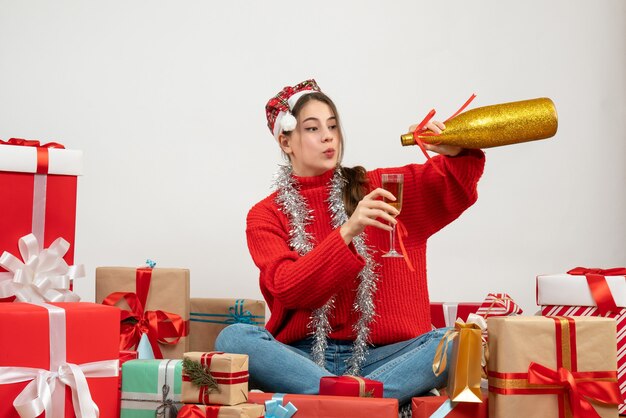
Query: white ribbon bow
43	276
37	395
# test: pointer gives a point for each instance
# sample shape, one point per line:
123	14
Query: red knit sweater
294	285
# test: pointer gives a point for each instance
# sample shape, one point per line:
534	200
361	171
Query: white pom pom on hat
278	108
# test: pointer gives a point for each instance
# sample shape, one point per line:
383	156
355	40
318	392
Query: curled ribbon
421	129
42	276
31	143
274	409
403	233
158	325
598	286
578	391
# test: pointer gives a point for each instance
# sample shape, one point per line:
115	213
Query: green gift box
151	386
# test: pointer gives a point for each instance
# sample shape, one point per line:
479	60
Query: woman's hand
438	127
367	213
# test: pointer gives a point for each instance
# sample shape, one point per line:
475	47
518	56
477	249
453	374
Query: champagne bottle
495	125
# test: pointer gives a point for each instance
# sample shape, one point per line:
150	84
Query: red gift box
314	406
444	314
426	406
61	344
350	386
38	184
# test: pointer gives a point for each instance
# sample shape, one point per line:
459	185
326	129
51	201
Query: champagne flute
394	184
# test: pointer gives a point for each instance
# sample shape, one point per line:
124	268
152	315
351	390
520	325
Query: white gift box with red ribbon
574	290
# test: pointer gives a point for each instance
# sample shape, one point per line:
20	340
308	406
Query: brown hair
356	176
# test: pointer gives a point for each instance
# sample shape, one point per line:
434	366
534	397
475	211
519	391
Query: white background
166	99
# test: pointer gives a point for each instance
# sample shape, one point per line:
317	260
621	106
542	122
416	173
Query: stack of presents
145	349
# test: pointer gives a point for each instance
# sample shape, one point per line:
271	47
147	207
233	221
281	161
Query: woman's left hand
438	127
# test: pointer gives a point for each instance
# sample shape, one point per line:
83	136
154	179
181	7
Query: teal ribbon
150	263
443	410
274	408
235	315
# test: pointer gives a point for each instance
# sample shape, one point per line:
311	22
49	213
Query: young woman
337	306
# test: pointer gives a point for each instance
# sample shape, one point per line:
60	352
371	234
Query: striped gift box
150	386
228	373
620	318
498	304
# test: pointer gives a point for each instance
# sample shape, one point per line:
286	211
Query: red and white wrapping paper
58	359
38	185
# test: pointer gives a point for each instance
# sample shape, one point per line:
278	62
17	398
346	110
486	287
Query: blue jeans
405	368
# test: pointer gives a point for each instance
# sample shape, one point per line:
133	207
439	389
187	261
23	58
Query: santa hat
278	109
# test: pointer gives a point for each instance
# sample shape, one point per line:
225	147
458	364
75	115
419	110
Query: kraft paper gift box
77	340
150	387
226	373
244	410
38	183
552	367
209	316
156	300
350	386
314	406
442	406
589	292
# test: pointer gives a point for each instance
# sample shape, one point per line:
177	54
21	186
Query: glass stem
392	247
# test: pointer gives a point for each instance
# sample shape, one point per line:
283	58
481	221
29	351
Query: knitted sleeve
298	281
432	200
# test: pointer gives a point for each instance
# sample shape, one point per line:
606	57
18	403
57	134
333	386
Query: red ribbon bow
599	287
578	391
159	325
42	150
423	131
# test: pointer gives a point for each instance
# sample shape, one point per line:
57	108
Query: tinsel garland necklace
294	206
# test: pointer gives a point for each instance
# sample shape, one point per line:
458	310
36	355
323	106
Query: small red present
442	406
350	386
315	406
445	314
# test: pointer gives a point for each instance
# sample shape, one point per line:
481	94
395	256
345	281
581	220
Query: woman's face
314	146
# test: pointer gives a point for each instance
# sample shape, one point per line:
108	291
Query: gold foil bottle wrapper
496	125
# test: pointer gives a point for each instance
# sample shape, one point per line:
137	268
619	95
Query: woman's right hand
367	213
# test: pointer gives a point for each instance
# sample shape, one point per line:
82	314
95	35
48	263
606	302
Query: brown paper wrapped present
552	367
208	317
215	378
244	410
154	301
